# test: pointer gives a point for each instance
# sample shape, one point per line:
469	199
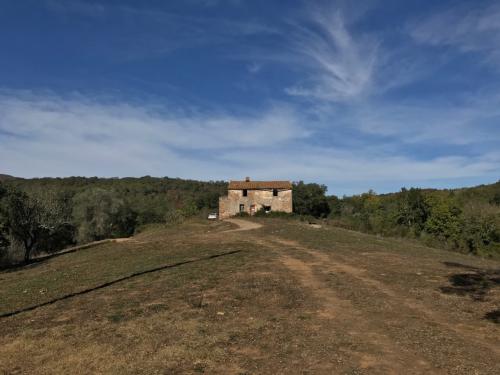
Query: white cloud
438	122
469	29
71	120
371	168
46	135
342	65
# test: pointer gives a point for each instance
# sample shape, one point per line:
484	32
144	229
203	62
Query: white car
212	216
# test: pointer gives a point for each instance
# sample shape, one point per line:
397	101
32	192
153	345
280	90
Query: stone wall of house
254	201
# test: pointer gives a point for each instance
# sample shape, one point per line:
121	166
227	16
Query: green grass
94	266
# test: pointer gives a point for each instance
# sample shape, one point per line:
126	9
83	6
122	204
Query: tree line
467	220
48	214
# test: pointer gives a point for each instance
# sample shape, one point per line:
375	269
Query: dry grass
294	299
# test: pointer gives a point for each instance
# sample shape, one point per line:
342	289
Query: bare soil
253	297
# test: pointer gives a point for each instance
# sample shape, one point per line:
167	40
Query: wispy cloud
47	135
469	28
342	64
140	31
49	118
358	110
435	123
341	166
254	67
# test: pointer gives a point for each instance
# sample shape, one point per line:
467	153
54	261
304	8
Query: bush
174	217
480	233
279	214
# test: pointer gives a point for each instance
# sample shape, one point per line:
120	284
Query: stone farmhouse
251	196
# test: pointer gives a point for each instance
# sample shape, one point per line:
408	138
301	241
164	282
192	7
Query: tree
101	214
480	232
496	199
445	220
335	205
4	242
310	199
24	221
413	209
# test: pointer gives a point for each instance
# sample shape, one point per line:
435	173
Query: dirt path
382	354
243	225
393	332
331	263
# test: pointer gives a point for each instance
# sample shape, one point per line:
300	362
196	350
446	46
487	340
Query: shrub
279	214
174	217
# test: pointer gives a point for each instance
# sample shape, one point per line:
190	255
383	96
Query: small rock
220	313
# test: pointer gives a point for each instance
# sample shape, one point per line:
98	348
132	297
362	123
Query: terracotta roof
253	185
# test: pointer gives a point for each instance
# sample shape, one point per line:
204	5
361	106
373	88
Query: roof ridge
270	184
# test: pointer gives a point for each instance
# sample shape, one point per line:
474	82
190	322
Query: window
275	192
242	208
245	192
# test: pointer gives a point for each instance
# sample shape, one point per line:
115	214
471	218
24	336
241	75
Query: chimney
247	179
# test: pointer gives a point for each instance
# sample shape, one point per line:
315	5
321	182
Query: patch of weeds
196	300
233	337
291	298
157	307
304	317
199	367
116	318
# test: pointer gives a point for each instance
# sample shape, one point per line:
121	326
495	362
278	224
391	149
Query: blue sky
355	95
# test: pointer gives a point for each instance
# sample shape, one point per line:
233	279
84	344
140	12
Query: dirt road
390	309
242	225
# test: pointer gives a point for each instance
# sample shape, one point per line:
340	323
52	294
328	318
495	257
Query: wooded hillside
465	219
48	214
44	215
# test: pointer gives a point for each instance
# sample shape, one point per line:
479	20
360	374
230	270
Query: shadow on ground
474	282
493	316
109	283
42	258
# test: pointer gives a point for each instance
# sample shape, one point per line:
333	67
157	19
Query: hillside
5	177
284	298
77	210
467	219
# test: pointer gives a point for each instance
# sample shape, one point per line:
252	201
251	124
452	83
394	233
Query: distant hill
5	177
